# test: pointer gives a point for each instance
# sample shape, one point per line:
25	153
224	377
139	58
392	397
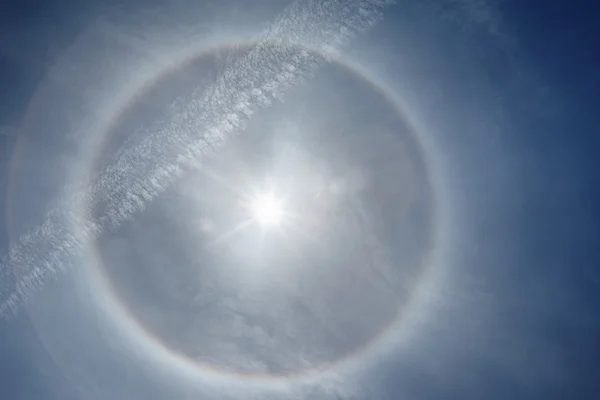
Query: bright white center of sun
267	209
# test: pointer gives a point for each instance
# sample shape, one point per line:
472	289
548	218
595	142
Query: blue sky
505	94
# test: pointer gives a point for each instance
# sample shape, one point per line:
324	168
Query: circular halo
267	208
127	324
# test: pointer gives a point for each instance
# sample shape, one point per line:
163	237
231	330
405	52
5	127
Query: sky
402	206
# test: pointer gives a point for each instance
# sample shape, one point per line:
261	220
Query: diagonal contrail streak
209	117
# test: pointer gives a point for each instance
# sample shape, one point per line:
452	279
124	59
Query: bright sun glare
267	209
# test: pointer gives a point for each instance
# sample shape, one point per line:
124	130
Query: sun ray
236	229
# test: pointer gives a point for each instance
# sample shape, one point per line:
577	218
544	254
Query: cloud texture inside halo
138	174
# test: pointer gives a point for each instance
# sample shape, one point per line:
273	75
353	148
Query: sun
267	209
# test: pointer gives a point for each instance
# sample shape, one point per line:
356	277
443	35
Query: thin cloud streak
203	123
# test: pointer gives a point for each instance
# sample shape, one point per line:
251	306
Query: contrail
205	120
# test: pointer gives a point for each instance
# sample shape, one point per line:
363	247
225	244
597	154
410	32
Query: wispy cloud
137	174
